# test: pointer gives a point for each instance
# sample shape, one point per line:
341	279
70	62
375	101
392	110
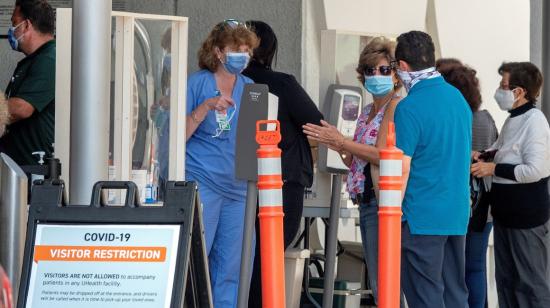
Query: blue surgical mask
236	62
379	85
14	41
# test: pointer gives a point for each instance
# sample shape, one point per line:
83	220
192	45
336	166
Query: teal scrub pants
223	220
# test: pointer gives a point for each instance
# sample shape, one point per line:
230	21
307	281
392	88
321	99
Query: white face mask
505	99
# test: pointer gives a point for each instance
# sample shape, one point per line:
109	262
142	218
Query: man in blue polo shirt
434	130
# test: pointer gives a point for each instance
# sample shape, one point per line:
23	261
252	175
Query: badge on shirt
222	120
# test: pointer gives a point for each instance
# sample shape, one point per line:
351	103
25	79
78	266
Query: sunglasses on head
383	69
233	23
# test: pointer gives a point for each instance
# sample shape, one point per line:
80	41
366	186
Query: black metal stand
246	254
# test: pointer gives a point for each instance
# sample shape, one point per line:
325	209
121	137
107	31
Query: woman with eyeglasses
213	101
519	162
377	74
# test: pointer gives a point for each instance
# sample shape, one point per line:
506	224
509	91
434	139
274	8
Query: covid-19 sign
89	266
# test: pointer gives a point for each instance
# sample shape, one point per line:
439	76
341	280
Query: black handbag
479	197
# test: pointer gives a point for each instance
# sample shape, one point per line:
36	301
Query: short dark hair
463	78
267	50
40	13
526	75
417	49
506	67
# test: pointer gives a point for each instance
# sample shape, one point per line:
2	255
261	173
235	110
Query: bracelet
341	145
194	117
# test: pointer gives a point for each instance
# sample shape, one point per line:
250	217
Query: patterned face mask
409	79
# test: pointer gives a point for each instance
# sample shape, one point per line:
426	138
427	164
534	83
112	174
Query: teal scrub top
211	160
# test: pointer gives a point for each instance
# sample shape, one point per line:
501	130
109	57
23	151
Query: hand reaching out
326	134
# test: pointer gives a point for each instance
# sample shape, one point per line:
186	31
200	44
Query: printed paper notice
89	266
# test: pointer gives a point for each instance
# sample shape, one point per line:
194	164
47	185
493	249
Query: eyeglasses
233	23
383	69
229	23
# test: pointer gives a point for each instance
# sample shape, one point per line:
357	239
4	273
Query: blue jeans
476	266
368	222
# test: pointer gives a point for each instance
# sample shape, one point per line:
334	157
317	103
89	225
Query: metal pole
13	219
305	282
246	254
331	241
545	102
90	96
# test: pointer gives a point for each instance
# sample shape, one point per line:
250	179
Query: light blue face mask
236	62
379	85
14	41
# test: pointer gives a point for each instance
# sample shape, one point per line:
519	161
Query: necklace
373	112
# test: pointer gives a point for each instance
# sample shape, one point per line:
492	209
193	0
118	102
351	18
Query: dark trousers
293	200
522	264
433	270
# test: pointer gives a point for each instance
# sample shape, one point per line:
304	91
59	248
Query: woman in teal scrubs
213	101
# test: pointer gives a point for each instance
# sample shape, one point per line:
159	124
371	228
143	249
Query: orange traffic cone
389	229
270	184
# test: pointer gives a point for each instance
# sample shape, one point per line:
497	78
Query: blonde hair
4	114
378	48
221	36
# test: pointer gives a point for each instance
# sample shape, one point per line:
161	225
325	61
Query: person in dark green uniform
31	90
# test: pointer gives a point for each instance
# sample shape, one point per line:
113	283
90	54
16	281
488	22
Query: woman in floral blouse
377	73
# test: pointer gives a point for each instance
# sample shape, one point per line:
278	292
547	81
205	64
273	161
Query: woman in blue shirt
213	101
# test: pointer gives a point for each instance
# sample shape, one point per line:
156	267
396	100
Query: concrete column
90	88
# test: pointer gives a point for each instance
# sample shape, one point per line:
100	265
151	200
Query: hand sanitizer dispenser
342	107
